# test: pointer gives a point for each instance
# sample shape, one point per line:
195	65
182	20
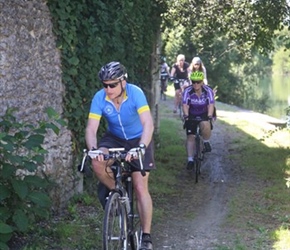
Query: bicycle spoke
115	224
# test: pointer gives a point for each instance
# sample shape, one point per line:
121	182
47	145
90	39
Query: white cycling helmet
196	60
113	70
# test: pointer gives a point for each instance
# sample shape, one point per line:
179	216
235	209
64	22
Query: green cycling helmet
196	76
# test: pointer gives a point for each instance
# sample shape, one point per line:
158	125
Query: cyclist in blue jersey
198	101
130	125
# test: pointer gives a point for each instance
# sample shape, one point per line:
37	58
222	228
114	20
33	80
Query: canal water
277	87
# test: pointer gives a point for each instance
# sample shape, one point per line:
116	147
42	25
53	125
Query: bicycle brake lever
81	167
143	172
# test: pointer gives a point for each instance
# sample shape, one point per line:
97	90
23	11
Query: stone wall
30	79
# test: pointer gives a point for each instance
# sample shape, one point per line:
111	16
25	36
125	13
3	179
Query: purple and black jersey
198	105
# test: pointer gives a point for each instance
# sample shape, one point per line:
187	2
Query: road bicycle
199	148
182	83
163	87
121	224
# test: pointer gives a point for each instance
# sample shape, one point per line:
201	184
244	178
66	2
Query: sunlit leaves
246	23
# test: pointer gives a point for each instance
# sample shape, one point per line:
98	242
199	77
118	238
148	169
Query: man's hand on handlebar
96	154
135	153
132	154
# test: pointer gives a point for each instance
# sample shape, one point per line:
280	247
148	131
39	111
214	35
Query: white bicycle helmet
113	70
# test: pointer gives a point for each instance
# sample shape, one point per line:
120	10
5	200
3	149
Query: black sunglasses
196	82
111	85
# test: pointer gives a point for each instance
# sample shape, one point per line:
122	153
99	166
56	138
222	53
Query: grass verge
260	209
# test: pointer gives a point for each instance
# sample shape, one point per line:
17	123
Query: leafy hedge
23	193
91	33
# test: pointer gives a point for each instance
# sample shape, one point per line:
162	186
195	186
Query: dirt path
198	213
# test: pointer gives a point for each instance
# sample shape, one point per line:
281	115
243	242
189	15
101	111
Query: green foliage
91	33
229	38
281	57
23	193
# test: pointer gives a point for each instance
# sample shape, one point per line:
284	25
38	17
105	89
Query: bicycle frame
198	154
124	188
163	84
181	83
120	229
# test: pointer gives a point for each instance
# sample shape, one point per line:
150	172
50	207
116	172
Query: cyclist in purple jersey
130	125
179	70
197	65
198	101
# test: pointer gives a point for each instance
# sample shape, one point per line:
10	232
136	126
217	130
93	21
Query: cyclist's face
196	65
112	88
197	85
181	62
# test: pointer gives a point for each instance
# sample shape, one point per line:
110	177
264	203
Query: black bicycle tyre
115	235
180	109
197	158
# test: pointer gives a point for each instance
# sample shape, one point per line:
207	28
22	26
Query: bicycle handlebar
118	154
177	80
197	118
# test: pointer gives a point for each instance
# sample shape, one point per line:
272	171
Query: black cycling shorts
177	86
190	126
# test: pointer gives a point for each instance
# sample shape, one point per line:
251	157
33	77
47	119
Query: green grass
260	207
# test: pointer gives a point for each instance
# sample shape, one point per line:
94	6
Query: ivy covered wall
91	33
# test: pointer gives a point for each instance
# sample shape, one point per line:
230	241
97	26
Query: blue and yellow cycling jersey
124	123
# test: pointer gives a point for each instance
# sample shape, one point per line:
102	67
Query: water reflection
277	87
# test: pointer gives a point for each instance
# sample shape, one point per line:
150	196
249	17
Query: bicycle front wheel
197	157
115	235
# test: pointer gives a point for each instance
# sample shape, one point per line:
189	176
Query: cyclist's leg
101	169
205	130
103	193
190	128
206	134
143	197
145	207
104	173
144	201
165	85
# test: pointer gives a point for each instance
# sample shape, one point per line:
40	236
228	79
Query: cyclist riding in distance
130	126
197	65
164	73
198	102
179	70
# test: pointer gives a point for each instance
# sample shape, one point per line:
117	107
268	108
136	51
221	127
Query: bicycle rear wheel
115	235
